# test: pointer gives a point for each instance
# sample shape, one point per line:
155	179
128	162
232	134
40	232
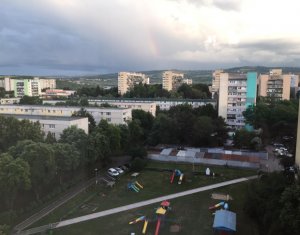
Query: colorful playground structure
178	173
135	186
219	206
160	212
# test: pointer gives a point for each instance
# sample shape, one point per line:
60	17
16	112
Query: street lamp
96	172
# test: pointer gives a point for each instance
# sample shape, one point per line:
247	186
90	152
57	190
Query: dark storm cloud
61	36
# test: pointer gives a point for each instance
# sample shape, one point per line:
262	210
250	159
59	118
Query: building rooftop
40	117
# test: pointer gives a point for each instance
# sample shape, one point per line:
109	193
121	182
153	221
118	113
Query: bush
138	152
138	164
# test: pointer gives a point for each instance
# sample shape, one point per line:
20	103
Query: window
52	126
108	113
108	119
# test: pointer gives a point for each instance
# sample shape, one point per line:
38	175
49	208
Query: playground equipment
176	172
214	207
161	212
219	205
135	186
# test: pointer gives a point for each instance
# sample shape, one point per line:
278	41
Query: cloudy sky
57	37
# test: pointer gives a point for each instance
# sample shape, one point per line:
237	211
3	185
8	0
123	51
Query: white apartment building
112	115
47	83
215	82
127	80
53	124
26	86
9	100
237	92
147	106
173	80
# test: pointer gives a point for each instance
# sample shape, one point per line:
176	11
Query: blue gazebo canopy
225	221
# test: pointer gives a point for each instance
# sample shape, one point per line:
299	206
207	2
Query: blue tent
225	221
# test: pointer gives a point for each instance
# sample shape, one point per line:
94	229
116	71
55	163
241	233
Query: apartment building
50	93
277	85
147	106
127	80
236	93
9	100
54	124
173	80
215	83
111	115
26	86
47	83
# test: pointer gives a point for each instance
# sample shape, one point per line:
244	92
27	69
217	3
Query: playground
188	215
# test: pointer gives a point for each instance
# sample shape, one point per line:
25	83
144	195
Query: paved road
132	206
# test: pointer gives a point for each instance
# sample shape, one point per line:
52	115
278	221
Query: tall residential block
236	93
215	82
277	85
127	80
47	84
29	87
26	86
297	158
173	80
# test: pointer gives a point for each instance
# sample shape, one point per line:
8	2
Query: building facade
55	125
147	106
172	80
127	80
236	93
215	83
9	100
47	83
111	115
27	86
277	85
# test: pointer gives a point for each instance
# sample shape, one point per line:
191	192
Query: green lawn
190	213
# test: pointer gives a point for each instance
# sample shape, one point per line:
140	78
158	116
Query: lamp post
96	174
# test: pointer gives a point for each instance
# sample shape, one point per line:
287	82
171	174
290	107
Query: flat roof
41	117
63	106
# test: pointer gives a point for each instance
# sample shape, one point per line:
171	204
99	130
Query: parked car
119	170
124	168
112	172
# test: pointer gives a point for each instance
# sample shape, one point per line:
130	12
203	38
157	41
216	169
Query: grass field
190	213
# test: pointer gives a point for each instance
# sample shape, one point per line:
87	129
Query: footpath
131	206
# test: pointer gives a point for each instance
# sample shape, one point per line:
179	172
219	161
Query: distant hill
262	69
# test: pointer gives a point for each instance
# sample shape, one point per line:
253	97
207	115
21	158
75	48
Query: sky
76	37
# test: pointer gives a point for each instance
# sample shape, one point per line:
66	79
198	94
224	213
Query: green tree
67	159
13	130
202	130
84	113
50	139
40	157
290	210
78	138
30	100
98	147
113	135
14	176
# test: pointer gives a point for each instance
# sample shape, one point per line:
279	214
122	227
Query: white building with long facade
111	115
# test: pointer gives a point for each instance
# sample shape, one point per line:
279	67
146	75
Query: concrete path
133	206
